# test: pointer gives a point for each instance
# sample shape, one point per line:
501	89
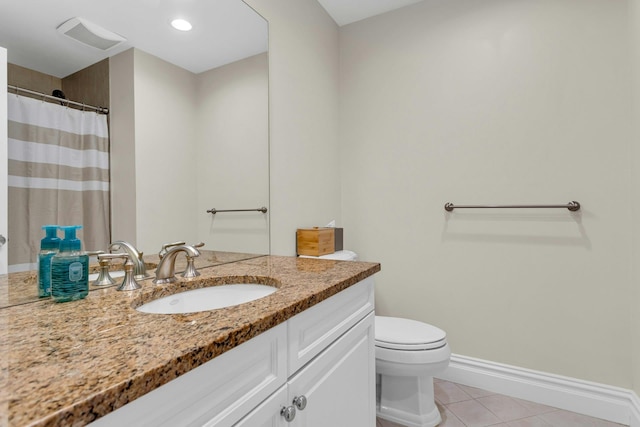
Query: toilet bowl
408	354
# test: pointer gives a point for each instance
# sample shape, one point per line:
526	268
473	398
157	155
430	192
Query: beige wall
303	109
152	151
122	131
634	18
165	152
232	144
183	142
503	101
32	80
89	85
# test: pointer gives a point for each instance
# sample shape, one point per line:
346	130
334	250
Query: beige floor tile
463	406
570	419
529	422
446	392
448	419
504	407
473	414
535	408
475	392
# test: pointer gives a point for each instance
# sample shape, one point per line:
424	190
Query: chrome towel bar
215	211
572	206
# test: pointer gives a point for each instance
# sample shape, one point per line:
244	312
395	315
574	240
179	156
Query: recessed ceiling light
181	24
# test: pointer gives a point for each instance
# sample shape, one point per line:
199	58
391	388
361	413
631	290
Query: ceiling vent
90	34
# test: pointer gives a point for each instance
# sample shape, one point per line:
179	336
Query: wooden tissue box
315	241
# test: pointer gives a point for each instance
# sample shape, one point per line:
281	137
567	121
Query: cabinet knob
300	402
289	413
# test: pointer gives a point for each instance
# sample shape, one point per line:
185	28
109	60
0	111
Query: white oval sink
204	299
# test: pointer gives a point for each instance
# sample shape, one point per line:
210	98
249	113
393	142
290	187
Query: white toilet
408	354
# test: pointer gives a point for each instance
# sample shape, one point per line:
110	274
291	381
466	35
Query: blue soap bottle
49	246
70	268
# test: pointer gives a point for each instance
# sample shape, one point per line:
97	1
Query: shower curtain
58	160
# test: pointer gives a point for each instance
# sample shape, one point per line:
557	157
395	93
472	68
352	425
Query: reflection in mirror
188	120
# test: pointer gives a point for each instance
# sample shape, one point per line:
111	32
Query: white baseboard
609	403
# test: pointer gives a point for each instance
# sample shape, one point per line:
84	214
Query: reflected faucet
165	273
139	267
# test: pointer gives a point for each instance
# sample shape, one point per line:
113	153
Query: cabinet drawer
217	393
317	327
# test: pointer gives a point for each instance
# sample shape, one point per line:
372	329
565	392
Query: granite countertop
71	363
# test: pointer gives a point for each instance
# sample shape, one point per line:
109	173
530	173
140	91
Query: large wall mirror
188	112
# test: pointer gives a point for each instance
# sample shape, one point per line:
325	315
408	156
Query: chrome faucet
165	273
166	246
139	267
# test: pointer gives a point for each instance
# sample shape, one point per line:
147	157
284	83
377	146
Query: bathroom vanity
300	356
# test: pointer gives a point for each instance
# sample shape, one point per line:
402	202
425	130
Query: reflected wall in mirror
188	120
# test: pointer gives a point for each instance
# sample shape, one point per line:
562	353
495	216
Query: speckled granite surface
70	363
22	288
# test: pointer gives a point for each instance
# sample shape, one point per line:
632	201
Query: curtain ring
83	107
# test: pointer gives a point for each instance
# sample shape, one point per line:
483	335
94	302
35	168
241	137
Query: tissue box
315	241
338	233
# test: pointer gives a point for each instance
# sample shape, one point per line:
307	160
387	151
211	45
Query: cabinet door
267	414
339	384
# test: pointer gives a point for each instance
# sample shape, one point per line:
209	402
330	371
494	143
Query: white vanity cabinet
324	354
337	388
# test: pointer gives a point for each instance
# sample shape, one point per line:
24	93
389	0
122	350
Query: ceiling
347	11
224	31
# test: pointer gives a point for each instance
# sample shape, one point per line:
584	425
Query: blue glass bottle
49	246
70	268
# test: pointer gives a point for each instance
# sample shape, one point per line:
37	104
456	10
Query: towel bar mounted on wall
572	206
215	211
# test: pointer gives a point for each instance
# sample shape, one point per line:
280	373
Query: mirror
184	138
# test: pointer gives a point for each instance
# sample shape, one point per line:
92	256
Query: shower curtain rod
100	110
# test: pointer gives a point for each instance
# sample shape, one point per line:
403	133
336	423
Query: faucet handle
166	246
129	283
104	279
190	272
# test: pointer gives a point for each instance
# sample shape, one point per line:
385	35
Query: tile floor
462	406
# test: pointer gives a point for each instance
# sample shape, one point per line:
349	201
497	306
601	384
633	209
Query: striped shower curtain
58	174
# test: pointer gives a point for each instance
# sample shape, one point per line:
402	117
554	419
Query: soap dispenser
70	268
49	246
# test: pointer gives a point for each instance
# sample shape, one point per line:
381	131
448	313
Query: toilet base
408	401
409	420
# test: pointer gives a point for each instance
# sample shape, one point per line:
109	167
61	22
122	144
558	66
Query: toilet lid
406	334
